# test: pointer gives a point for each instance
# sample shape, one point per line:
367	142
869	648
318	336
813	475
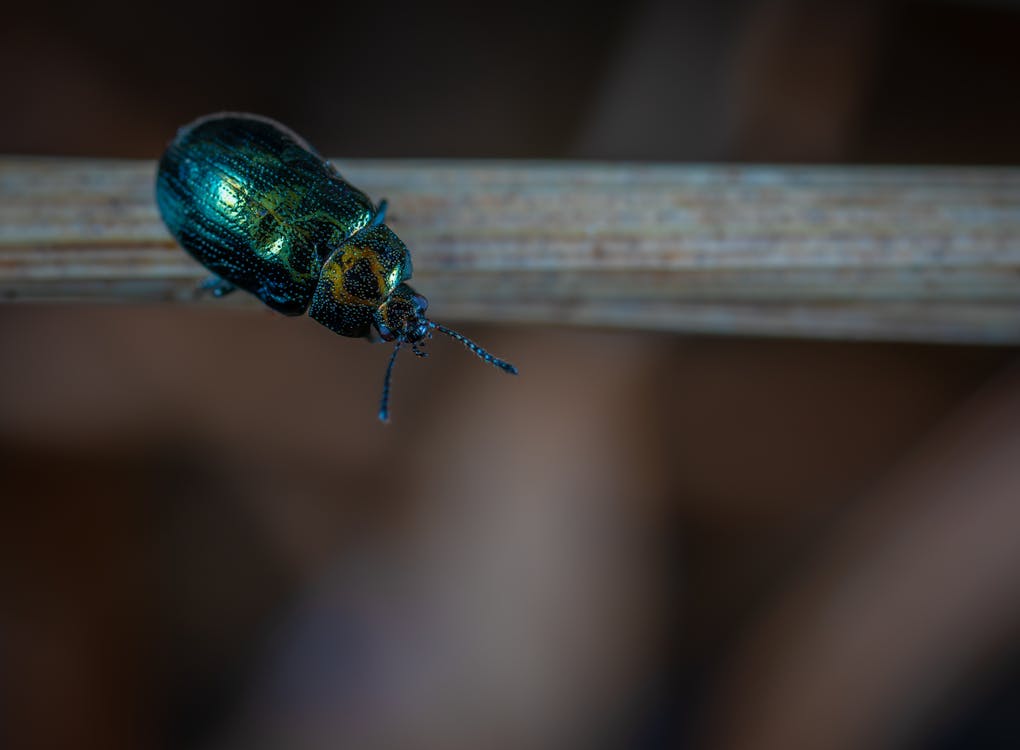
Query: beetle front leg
217	286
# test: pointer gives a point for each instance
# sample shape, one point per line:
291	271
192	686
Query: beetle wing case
254	203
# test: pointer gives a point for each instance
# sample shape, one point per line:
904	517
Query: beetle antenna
478	351
384	404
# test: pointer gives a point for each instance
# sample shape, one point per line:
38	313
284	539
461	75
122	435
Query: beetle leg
217	286
380	215
384	404
417	351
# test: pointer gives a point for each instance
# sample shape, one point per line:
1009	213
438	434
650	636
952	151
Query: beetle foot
217	286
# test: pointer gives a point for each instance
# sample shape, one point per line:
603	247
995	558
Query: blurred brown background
645	541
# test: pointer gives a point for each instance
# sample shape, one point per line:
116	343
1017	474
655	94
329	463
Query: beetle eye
421	302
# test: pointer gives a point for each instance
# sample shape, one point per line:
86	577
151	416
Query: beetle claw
219	287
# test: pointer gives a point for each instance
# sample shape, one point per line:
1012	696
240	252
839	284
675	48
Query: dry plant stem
928	254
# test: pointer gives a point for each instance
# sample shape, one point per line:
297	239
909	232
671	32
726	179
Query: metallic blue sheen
255	204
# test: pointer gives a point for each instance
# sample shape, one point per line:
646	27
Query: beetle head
401	319
401	316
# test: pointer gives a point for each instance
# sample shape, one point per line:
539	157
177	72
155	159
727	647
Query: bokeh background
645	541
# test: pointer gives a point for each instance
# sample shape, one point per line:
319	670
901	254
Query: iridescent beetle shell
255	204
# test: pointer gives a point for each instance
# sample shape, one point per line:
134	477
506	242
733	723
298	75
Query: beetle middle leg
219	287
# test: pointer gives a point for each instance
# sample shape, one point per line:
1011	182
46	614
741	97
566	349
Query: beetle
256	205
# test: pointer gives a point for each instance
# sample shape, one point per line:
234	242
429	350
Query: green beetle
255	204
